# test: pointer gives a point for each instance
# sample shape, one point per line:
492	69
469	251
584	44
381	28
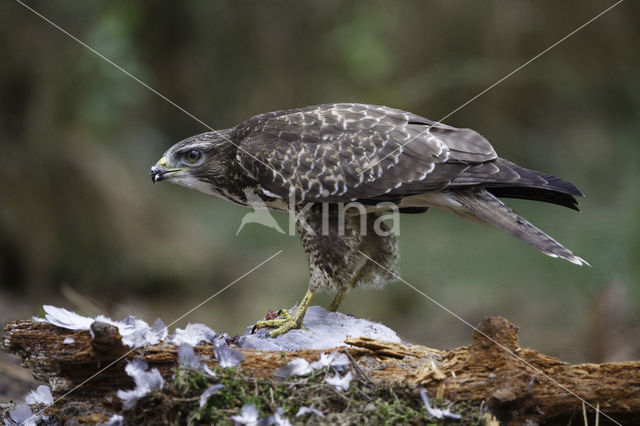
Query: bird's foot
288	321
281	325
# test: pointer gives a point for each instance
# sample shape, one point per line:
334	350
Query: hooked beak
160	171
156	174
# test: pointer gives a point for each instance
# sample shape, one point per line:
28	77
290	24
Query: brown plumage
340	153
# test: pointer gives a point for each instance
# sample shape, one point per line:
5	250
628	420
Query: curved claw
281	325
288	321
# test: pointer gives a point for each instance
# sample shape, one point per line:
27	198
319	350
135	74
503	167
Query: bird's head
196	162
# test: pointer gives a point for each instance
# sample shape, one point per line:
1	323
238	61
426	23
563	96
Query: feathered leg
331	244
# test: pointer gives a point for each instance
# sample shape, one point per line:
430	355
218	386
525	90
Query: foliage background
82	226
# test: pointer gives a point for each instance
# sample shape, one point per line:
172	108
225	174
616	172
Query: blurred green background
82	226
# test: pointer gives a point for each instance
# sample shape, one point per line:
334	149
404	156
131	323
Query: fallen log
514	384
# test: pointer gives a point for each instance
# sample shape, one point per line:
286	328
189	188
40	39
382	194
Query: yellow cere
162	162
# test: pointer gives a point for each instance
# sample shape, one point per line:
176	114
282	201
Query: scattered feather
188	358
145	381
437	412
133	331
336	360
226	356
108	320
137	333
207	370
193	334
68	340
300	366
340	383
160	330
115	420
21	415
248	415
208	392
66	319
295	367
279	419
309	410
42	395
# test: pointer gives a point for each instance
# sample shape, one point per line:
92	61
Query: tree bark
518	384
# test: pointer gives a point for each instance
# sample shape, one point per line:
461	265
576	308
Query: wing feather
343	152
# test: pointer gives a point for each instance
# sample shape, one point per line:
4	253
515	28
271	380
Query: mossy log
516	384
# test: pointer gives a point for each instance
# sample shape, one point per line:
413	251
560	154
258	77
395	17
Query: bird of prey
312	159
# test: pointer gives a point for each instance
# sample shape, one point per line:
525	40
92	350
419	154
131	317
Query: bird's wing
343	152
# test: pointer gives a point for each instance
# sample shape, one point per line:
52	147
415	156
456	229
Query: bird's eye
193	155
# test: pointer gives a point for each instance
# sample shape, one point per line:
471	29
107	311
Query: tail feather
535	194
487	207
505	179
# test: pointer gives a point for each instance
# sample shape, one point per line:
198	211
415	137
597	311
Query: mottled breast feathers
343	152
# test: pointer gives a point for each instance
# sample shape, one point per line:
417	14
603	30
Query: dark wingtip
559	198
535	179
569	188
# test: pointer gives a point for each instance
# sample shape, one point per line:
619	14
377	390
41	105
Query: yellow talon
284	313
288	322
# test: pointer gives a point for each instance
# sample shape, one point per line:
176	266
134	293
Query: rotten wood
516	383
